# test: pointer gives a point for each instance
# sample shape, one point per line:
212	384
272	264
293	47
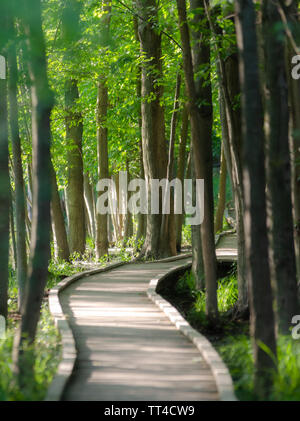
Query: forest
135	131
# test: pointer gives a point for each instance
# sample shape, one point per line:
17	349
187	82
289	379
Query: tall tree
4	174
181	164
291	18
168	233
74	128
142	220
222	193
279	170
17	167
153	122
75	194
201	129
102	132
230	114
59	227
257	256
42	102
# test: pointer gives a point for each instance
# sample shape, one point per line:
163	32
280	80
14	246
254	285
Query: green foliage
45	358
237	354
186	235
227	293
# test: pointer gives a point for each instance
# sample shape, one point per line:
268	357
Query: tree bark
257	256
75	197
222	193
4	173
103	170
201	127
18	171
181	163
168	233
42	102
142	220
102	133
90	204
279	172
153	124
231	133
60	232
292	16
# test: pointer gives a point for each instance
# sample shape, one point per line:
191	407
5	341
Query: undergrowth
232	340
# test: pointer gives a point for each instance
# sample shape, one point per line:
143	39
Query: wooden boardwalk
127	348
226	248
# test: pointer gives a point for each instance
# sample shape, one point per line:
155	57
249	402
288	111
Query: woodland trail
127	347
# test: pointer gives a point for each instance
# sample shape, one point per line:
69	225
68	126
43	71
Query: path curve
127	348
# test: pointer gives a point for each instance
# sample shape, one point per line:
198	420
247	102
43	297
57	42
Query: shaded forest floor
231	336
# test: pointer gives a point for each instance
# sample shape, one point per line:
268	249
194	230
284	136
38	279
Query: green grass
232	341
227	293
47	352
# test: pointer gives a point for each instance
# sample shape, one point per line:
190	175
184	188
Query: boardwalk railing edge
69	353
211	356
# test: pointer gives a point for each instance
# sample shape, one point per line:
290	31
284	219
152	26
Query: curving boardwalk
127	347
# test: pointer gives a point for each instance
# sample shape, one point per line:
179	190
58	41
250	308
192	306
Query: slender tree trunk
279	172
153	124
201	127
42	101
231	132
142	220
18	172
222	193
59	231
75	197
168	233
4	172
257	257
128	228
197	254
292	16
181	162
103	170
90	204
102	133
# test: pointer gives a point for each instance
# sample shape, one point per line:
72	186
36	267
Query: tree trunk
102	133
59	231
201	129
75	197
197	254
90	204
153	124
103	171
181	162
142	220
222	193
256	244
292	15
4	176
231	133
279	172
42	102
168	233
18	171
